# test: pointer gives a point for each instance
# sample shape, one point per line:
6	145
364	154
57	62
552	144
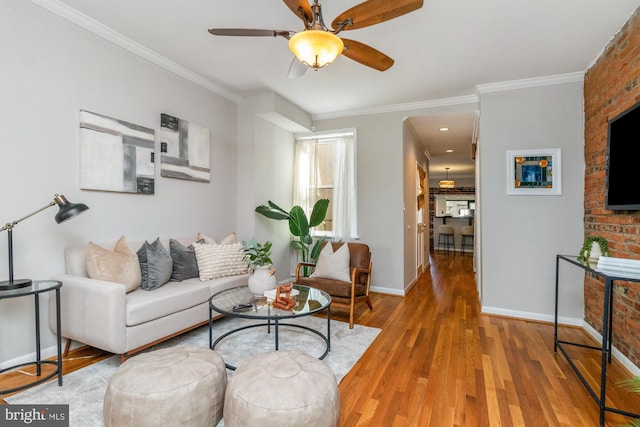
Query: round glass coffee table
240	302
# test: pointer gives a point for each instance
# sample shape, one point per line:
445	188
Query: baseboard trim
388	291
614	351
45	353
527	315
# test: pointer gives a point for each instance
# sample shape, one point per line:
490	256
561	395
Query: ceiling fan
317	45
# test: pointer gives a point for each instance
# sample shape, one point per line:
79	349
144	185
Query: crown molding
576	77
88	23
385	109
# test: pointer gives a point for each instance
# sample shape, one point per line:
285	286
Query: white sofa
101	314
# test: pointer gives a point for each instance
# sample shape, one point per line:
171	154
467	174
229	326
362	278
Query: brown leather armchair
345	293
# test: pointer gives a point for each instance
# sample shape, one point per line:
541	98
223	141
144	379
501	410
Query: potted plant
593	248
258	258
300	226
633	385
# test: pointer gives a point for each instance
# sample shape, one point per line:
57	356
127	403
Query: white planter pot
595	252
262	280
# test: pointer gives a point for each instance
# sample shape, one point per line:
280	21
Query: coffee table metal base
276	324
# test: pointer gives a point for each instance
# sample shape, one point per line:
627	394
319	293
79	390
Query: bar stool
466	231
446	236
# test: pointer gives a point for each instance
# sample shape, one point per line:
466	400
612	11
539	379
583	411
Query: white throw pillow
333	265
206	239
226	240
219	260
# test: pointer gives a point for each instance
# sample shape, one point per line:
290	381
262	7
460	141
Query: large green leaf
298	224
319	212
317	247
296	244
630	384
276	207
271	213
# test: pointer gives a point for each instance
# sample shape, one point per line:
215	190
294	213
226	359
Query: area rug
83	390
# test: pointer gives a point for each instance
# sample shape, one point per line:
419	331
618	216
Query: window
325	169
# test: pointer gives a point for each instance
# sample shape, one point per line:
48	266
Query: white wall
266	126
274	181
521	235
51	69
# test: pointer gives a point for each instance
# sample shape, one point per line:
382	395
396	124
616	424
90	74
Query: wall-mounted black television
623	158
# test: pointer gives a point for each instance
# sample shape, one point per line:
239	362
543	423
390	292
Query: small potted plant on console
593	248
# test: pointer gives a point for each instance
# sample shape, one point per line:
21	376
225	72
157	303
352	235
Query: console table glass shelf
607	333
38	287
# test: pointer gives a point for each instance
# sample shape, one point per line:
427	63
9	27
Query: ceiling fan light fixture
316	48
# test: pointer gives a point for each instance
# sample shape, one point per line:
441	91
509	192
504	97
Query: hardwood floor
439	362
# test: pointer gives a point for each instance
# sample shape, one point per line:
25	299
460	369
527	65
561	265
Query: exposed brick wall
432	204
611	86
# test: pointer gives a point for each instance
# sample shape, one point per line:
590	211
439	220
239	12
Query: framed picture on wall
534	172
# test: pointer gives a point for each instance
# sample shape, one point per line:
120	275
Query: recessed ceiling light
444	129
449	151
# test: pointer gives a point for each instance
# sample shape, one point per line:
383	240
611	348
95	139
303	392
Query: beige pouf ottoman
175	386
280	389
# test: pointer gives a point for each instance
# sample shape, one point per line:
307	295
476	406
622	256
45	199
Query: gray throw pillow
155	265
185	264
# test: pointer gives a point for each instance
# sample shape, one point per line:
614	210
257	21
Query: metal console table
607	332
38	287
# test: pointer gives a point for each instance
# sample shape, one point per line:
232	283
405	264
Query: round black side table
38	287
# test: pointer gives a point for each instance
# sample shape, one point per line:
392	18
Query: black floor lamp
67	210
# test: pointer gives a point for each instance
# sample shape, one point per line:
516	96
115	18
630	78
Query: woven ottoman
280	389
182	385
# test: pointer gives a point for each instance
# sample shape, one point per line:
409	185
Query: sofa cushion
219	260
185	264
333	265
156	265
143	306
119	265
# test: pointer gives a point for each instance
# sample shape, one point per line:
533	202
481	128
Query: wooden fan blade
366	55
250	32
373	12
301	9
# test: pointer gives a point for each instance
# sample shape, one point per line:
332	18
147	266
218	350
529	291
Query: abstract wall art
115	155
185	149
534	172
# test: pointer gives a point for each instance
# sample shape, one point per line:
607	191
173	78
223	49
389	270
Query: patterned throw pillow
119	265
219	260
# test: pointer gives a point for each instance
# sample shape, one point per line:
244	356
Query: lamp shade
316	48
67	210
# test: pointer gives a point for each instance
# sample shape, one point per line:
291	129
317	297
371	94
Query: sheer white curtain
344	206
305	174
